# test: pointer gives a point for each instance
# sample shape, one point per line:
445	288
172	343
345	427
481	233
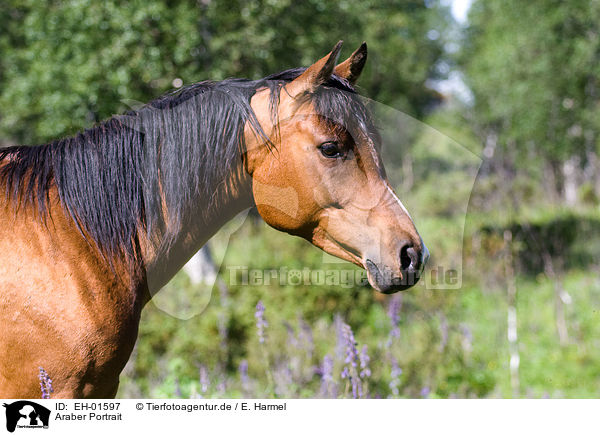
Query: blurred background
515	83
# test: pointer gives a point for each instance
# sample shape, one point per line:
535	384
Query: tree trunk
560	296
511	286
570	178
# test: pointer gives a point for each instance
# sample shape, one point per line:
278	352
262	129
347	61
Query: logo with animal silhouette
26	414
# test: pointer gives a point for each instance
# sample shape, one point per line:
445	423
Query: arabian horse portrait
93	225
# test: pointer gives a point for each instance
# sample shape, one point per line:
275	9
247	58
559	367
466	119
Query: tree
533	69
67	64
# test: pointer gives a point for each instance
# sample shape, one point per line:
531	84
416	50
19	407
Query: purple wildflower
425	392
45	384
338	324
394	314
467	337
222	386
351	351
350	370
301	352
327	369
292	340
345	373
295	352
327	384
261	323
305	336
284	382
222	328
395	373
204	379
243	369
365	372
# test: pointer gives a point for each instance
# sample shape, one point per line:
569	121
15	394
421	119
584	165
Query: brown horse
94	224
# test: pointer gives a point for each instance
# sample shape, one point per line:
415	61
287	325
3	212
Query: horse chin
387	282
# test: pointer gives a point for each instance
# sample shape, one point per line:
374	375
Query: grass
435	344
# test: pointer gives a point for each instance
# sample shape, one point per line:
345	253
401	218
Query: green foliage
532	67
452	343
67	64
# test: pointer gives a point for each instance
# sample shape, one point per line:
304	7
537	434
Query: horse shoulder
61	308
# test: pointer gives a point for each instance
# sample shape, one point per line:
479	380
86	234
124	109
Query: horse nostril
408	257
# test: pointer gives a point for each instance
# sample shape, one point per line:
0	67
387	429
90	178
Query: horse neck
234	196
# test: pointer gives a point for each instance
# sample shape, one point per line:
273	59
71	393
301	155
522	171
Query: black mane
182	144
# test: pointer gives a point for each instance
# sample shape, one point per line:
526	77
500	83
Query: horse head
321	175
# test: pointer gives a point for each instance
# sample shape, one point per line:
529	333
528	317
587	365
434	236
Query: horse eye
330	150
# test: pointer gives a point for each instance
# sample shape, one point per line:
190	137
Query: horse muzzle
390	280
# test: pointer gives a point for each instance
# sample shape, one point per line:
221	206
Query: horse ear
316	74
351	68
